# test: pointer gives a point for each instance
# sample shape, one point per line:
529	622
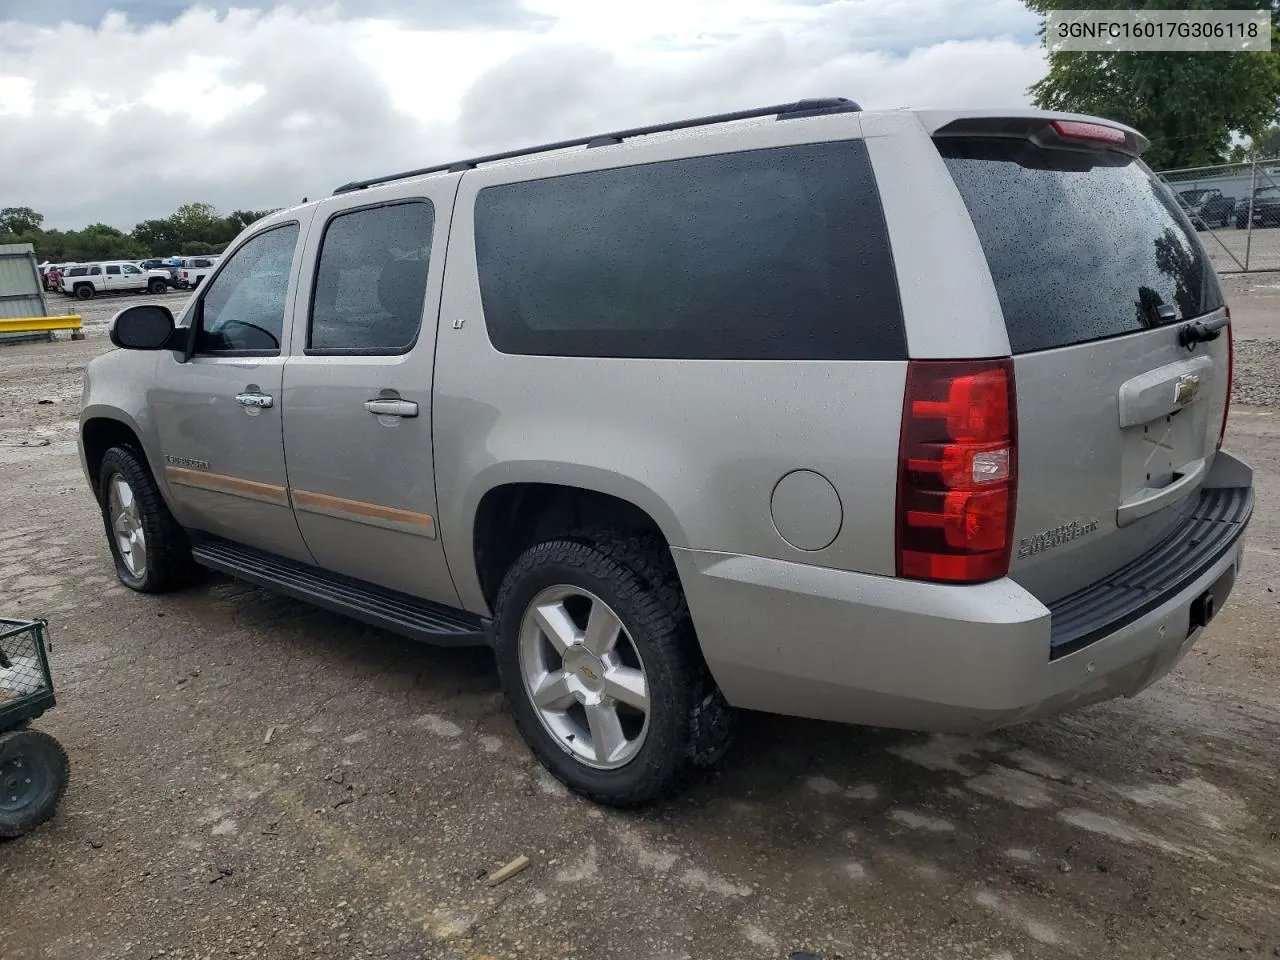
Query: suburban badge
1030	546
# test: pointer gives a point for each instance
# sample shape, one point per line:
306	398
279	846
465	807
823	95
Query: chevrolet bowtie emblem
1185	390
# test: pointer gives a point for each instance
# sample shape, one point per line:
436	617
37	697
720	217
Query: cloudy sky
120	110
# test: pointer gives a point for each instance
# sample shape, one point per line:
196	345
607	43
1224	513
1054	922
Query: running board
398	612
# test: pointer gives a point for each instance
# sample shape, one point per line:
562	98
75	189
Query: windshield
1081	246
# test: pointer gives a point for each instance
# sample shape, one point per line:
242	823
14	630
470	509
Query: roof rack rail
783	111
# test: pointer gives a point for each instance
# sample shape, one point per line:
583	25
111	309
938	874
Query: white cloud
248	109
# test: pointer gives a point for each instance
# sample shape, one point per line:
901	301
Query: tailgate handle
1149	500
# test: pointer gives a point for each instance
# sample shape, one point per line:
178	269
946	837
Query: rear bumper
810	641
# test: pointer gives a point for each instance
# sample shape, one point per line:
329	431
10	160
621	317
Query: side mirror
147	326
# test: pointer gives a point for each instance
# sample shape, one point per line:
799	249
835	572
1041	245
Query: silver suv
904	418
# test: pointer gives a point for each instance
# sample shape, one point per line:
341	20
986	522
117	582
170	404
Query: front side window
243	308
371	280
130	268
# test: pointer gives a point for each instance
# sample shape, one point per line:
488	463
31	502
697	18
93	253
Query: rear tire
85	291
151	551
603	746
33	777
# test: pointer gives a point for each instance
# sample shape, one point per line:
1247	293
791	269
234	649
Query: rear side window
371	279
1081	246
778	254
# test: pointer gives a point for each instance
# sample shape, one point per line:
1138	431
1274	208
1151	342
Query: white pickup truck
86	280
193	270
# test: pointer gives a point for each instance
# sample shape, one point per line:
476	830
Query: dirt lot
394	780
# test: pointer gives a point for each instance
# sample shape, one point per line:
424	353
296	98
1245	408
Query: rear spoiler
1060	130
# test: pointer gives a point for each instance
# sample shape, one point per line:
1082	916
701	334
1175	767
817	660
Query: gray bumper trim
1216	521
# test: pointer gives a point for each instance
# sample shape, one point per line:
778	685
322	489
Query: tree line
193	229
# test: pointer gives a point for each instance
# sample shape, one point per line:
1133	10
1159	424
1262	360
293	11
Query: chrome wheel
126	526
583	674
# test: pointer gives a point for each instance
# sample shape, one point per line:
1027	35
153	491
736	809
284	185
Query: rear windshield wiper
1202	331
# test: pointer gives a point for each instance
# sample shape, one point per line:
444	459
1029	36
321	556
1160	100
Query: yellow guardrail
39	324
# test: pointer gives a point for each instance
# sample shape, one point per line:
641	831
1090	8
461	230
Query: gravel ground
256	778
1257	373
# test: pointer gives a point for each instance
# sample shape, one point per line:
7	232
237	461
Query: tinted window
243	308
1081	245
766	254
95	271
113	271
371	279
77	271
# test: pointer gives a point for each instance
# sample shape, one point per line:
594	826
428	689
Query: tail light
1231	373
1092	132
957	470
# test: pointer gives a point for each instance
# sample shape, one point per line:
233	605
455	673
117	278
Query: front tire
156	286
151	551
33	777
600	666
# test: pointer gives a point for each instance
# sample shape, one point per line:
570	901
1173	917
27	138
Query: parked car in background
193	270
1208	207
51	275
168	266
1266	208
85	281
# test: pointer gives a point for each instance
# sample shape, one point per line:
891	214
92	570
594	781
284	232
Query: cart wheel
33	776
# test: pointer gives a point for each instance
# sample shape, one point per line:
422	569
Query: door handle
254	400
392	408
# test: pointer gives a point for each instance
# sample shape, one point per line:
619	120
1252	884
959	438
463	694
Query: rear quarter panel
698	444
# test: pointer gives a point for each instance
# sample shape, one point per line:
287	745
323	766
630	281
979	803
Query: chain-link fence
1236	208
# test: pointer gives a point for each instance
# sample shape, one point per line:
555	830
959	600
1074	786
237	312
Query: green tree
1187	104
239	219
101	242
1264	146
160	237
199	222
20	220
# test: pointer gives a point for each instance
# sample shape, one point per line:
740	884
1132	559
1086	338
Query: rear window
1081	246
777	254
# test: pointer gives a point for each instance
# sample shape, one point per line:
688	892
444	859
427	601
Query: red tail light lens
1093	132
957	479
1231	373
